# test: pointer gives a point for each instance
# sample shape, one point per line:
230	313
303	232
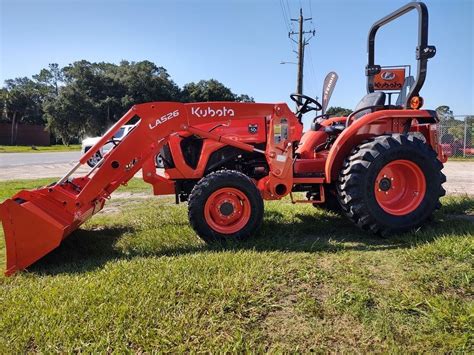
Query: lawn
136	278
38	149
467	158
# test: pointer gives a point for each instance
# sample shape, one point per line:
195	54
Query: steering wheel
114	141
304	102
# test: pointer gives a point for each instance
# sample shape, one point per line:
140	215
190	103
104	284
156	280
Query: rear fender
368	126
429	129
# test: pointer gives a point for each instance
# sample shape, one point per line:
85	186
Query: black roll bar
423	51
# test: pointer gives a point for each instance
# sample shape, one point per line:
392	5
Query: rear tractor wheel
225	205
391	184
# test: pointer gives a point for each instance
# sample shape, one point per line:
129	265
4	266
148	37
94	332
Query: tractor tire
391	184
225	205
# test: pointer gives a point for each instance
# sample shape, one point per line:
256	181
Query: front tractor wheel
391	184
225	205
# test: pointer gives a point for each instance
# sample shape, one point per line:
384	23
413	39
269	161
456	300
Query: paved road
459	177
8	160
460	174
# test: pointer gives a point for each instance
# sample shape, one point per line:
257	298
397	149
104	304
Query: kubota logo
164	118
208	111
388	75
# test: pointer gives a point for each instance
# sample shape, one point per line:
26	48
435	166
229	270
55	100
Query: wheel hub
385	184
226	208
400	187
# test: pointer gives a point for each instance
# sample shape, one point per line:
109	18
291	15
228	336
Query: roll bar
423	50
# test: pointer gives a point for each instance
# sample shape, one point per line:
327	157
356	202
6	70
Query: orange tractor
381	165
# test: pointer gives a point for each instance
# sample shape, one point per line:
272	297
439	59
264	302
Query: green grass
38	149
9	187
136	278
467	158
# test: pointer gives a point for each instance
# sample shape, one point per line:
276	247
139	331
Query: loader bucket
33	228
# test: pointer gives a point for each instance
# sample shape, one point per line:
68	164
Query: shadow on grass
87	250
463	204
82	251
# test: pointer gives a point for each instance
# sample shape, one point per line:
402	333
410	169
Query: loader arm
57	210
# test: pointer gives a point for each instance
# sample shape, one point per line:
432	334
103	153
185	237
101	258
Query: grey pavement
26	159
460	174
459	177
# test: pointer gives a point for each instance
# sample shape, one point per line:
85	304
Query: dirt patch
295	331
132	195
120	200
291	325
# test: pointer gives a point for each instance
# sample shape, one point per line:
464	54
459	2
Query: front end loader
380	165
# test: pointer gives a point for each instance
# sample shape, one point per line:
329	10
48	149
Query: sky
242	42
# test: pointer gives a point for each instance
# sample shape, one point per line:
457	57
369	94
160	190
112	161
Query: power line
311	57
285	12
287	7
301	43
313	72
289	12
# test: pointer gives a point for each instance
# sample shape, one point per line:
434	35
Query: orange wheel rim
400	187
227	210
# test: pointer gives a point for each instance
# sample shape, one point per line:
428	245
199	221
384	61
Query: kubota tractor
381	165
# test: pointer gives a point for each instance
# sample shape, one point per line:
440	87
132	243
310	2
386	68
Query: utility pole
302	42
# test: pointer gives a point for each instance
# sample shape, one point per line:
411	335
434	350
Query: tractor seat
373	99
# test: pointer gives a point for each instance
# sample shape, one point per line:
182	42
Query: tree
338	111
112	89
244	98
457	131
86	97
444	113
70	114
454	131
51	78
3	102
21	102
460	129
146	82
469	131
208	90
